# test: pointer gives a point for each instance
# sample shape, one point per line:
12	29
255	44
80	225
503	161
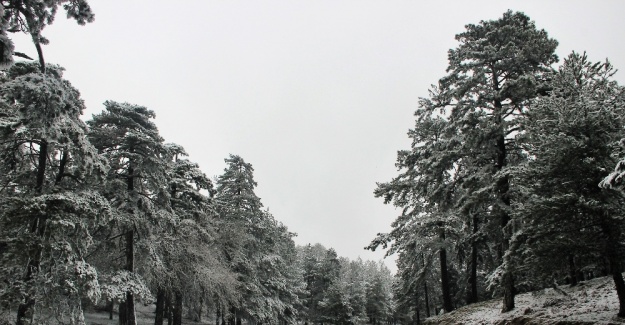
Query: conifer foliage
508	170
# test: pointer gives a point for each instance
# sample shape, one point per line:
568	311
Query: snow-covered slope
590	302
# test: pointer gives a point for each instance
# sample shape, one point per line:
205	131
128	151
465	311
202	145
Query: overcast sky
317	95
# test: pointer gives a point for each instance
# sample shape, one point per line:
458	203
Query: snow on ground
590	302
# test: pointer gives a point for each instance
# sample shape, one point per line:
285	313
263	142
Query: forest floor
145	316
590	302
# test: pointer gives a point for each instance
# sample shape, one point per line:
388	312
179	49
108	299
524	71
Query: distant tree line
514	179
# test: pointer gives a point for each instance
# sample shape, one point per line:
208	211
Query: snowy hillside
590	302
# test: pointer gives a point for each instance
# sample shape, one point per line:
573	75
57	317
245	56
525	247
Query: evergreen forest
514	182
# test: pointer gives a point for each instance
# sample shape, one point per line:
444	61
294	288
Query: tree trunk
502	186
130	256
130	266
472	297
508	292
178	308
169	311
580	273
25	309
620	291
111	309
160	307
123	316
447	303
427	298
617	276
507	281
416	307
572	270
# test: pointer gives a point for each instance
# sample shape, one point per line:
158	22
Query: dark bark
472	297
232	316
417	306
111	309
178	308
572	270
130	267
447	303
169	310
616	270
25	309
160	307
123	316
200	306
617	276
427	299
62	164
508	294
239	322
130	257
503	188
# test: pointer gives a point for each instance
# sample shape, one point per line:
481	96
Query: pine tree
47	207
464	141
31	17
185	260
569	136
126	137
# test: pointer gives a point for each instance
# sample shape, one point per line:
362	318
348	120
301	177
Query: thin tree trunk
178	308
616	270
417	306
572	270
447	303
218	314
111	309
130	256
123	316
169	310
579	274
620	291
160	307
427	299
130	266
473	297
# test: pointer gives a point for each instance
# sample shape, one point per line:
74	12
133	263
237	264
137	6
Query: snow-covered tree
48	209
185	261
569	135
136	187
31	17
426	190
464	141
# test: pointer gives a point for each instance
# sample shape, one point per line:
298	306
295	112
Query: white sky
317	94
